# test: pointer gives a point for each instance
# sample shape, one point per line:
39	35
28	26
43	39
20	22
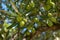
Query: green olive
32	4
19	18
28	7
47	7
25	20
22	23
50	14
36	19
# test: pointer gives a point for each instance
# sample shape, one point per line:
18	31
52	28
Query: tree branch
5	12
39	30
15	8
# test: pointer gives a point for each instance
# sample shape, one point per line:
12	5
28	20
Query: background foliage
29	19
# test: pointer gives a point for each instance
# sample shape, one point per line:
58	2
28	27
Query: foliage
22	18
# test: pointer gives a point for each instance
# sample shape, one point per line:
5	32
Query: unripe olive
32	4
28	7
22	23
47	7
19	18
36	19
50	14
25	20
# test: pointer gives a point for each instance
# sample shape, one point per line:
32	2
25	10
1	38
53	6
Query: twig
15	8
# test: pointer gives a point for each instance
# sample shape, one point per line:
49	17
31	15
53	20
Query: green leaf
9	6
1	25
13	14
5	29
53	19
6	24
8	13
13	24
49	23
1	38
32	4
52	4
48	1
25	20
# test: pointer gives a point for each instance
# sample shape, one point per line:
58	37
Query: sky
4	6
